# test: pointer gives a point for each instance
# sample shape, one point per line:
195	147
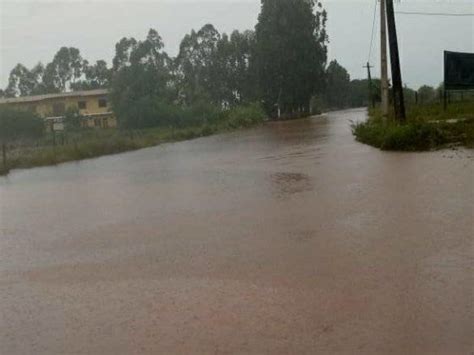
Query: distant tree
66	68
150	52
337	85
234	71
141	82
37	73
97	76
123	50
359	92
25	82
19	81
409	95
50	81
290	53
2	93
426	94
196	66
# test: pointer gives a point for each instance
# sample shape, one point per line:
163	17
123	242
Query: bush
72	119
317	105
18	124
245	116
413	136
427	127
201	112
207	130
151	111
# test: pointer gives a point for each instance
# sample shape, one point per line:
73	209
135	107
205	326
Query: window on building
82	105
102	102
97	122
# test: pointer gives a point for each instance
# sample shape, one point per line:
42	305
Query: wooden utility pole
369	77
383	56
398	99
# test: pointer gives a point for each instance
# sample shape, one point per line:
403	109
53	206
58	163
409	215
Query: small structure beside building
91	105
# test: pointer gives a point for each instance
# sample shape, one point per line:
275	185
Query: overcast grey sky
33	30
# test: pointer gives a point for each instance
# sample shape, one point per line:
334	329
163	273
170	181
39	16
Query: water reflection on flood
290	183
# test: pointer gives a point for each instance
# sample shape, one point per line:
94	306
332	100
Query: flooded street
290	238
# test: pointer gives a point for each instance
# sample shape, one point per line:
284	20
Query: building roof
37	98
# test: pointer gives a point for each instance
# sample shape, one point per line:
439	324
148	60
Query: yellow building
92	105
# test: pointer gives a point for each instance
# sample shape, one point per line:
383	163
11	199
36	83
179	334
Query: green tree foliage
123	50
245	115
196	67
290	53
24	82
97	76
16	125
141	82
49	79
234	68
282	64
72	119
67	71
215	68
359	92
337	85
66	68
210	73
19	81
409	95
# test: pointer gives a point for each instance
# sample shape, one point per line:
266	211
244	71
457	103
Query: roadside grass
90	143
428	127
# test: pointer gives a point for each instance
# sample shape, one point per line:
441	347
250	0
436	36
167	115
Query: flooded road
290	238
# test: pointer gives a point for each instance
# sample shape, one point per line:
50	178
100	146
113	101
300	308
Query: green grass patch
426	128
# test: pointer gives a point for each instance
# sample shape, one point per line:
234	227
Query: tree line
281	65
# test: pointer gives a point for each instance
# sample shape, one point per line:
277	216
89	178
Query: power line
373	31
431	13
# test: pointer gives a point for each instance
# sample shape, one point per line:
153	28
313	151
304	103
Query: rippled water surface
288	238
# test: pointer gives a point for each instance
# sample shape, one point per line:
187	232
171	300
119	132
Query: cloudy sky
33	30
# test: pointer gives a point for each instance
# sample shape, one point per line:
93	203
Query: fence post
4	155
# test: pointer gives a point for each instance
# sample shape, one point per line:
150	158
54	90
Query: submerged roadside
86	144
427	128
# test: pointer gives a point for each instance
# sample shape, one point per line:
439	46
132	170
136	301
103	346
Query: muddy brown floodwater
290	238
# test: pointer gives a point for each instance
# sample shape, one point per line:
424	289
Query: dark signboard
458	71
